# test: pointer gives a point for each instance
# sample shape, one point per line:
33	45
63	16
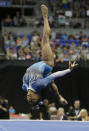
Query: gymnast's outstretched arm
64	72
48	80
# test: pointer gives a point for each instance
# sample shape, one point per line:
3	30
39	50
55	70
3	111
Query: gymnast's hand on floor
74	64
63	101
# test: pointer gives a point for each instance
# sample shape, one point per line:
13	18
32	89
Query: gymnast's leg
47	55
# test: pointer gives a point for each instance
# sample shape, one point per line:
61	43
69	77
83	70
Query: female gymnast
38	76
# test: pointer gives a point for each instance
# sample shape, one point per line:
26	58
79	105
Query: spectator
37	22
53	35
71	36
22	21
6	41
27	52
15	21
12	41
60	114
35	112
4	108
80	35
65	36
69	110
44	110
75	111
25	41
40	111
83	115
77	36
52	109
35	37
51	20
11	53
19	42
8	21
31	21
84	40
61	19
21	55
12	110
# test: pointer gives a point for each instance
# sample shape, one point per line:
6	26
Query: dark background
4	12
72	86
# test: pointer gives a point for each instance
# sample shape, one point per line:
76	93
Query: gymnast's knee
45	39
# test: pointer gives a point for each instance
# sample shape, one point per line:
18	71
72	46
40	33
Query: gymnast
38	76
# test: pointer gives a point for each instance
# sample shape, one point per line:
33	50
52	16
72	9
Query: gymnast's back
41	68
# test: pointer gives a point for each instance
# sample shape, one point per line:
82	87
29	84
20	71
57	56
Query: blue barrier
43	126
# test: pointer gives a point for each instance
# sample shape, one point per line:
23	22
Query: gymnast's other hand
74	64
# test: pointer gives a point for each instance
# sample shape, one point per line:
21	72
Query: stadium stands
64	46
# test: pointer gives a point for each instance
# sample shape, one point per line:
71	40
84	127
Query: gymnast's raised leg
47	55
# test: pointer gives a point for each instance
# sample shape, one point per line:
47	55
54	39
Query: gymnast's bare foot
44	11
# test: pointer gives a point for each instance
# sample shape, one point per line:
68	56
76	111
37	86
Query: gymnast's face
32	97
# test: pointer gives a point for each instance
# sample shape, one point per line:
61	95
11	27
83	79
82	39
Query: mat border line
68	121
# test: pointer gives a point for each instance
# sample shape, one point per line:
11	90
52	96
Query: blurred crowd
20	2
45	110
59	20
68	12
4	108
48	111
25	2
65	47
77	7
16	21
64	13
